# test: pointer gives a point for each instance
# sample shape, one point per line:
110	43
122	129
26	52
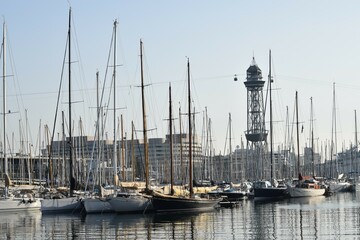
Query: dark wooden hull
183	204
232	196
269	193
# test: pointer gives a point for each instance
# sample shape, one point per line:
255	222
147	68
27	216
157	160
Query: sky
314	44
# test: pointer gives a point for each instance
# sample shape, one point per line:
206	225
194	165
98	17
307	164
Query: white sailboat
339	184
9	202
101	204
71	203
304	187
131	202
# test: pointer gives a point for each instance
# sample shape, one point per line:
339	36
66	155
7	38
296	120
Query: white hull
130	203
61	205
341	187
97	205
305	192
19	204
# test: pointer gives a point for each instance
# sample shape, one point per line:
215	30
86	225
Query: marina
333	217
126	139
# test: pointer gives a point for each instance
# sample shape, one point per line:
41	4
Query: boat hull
341	187
97	205
61	205
231	196
305	192
269	193
130	204
183	204
19	204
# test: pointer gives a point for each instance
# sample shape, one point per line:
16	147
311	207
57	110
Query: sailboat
101	204
9	202
135	201
265	189
176	203
304	187
340	184
232	193
71	203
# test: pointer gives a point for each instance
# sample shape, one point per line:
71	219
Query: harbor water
332	217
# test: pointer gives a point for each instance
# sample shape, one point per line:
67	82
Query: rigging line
79	56
105	77
58	99
20	102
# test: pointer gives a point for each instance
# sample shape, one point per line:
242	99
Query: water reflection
331	217
19	225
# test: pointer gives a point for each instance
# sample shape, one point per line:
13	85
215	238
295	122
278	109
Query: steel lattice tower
256	133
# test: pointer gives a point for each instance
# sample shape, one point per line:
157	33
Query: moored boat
307	188
169	203
97	205
191	202
61	205
22	201
125	202
265	190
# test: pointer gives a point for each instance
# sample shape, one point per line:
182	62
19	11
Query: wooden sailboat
71	203
172	203
131	202
266	189
304	187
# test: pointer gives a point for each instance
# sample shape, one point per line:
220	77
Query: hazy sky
313	44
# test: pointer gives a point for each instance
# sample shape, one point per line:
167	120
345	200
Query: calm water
334	217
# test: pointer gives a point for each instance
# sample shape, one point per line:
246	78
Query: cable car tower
256	133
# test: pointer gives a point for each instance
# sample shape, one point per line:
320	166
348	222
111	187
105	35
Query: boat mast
72	179
4	99
335	131
98	128
182	171
356	144
122	150
171	144
297	133
190	133
230	149
114	77
271	125
312	137
146	153
133	152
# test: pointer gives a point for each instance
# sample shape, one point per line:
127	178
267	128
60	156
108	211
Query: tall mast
335	131
297	133
4	98
72	180
133	152
312	137
98	125
271	125
122	150
190	133
230	149
146	151
114	77
171	144
181	150
356	144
